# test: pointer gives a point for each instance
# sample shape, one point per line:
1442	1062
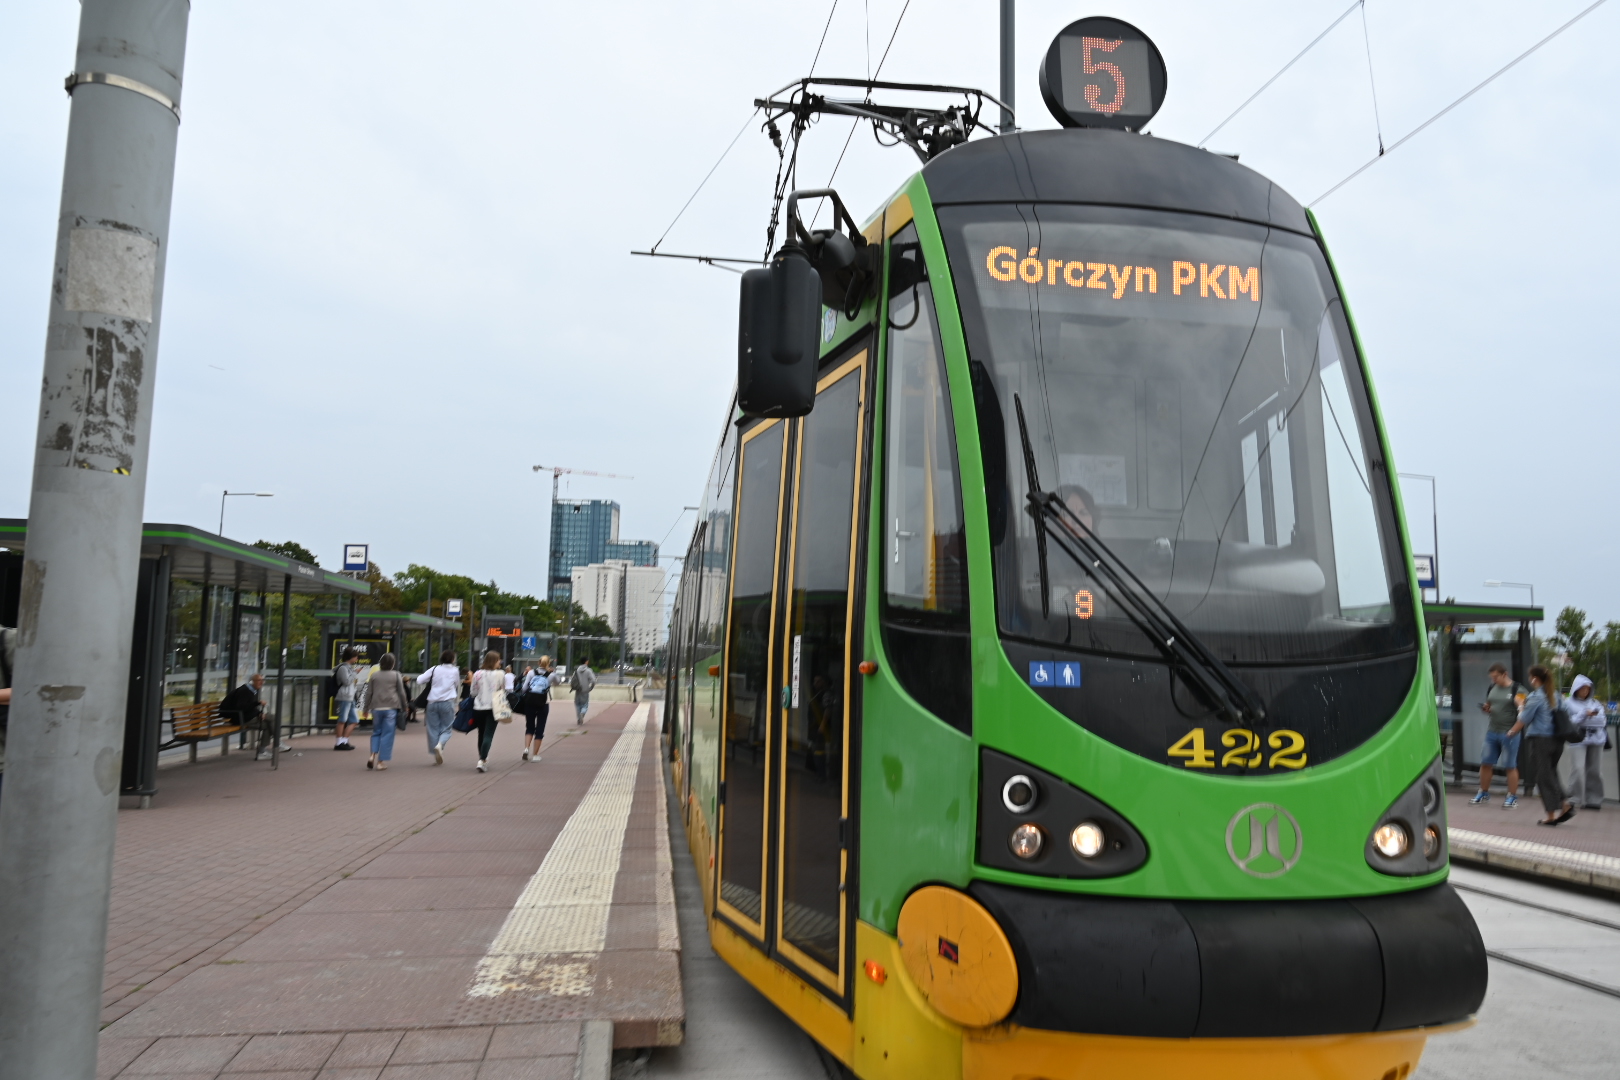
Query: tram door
784	855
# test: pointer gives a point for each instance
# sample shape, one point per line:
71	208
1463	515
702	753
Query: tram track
1531	965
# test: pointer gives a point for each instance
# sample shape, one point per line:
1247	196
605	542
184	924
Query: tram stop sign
1103	73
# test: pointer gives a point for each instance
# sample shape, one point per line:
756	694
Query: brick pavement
326	920
1595	831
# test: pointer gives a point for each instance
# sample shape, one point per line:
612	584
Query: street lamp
223	495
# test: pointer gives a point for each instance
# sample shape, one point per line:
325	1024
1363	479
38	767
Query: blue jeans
1497	744
581	703
439	716
346	714
382	733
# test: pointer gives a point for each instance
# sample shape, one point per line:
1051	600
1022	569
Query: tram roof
210	559
1114	168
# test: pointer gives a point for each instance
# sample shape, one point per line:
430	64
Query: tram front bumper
1239	969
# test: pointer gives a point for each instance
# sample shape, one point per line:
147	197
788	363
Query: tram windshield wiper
1216	682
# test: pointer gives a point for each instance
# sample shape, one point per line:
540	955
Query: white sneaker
481	766
525	755
535	758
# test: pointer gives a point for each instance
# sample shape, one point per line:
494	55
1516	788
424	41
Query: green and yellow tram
1048	692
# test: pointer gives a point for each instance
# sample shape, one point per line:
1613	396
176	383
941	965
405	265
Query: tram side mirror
779	336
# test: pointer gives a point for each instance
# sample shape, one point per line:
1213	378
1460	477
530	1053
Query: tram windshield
1192	394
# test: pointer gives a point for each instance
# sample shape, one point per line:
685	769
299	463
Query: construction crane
557	471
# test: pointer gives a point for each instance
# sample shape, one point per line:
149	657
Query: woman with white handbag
489	703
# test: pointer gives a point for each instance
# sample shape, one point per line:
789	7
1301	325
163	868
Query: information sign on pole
356	557
1427	572
452	609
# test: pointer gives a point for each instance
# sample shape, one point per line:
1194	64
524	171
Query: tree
289	549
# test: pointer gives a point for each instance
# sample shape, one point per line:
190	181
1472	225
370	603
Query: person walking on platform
583	680
486	682
1586	756
388	699
347	676
1501	704
535	705
1544	746
246	706
8	657
443	683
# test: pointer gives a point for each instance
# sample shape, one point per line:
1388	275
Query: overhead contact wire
883	60
706	176
1283	70
1498	73
1378	123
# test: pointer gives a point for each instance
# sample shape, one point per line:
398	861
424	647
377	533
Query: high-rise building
586	531
597	588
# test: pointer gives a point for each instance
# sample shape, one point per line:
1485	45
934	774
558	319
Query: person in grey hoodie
1586	756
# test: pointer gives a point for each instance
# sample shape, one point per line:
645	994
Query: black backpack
332	683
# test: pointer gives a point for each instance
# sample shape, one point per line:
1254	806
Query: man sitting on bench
243	706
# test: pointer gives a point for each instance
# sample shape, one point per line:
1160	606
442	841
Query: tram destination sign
1105	73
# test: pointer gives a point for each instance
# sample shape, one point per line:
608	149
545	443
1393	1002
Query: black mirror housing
779	336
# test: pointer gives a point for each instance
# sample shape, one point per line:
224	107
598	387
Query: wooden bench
199	723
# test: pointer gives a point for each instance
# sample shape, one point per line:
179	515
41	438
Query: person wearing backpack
1586	756
1538	722
583	680
1501	704
346	678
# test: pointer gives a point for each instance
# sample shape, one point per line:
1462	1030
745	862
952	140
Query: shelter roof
210	559
1435	615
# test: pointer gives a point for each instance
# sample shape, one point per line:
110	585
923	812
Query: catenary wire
883	60
706	176
1281	71
1498	73
823	40
1366	40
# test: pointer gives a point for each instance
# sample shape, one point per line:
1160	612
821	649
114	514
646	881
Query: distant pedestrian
1544	746
535	705
389	700
8	658
486	681
583	680
246	706
1501	704
443	683
511	680
347	677
1586	756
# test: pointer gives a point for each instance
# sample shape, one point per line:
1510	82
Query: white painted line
558	926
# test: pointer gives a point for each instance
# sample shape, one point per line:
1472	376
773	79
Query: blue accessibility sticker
1055	674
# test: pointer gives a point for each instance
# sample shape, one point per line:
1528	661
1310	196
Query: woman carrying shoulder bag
487	681
389	699
1545	746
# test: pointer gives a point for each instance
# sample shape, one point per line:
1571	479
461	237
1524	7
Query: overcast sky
399	273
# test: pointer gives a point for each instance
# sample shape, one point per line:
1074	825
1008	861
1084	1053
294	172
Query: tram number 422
1243	749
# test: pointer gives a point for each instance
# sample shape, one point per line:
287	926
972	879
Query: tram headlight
1409	838
1087	839
1392	840
1026	841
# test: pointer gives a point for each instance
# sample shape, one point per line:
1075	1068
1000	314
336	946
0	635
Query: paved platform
1584	850
427	921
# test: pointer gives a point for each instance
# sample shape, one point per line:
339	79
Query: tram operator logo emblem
1264	840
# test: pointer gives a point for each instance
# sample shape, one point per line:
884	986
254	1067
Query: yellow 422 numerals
1243	749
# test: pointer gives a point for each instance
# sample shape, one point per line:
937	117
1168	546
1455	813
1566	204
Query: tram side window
925	596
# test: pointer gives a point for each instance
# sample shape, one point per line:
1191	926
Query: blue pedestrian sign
529	642
1068	673
1041	673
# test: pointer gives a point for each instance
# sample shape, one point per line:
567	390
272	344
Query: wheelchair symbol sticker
1041	673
